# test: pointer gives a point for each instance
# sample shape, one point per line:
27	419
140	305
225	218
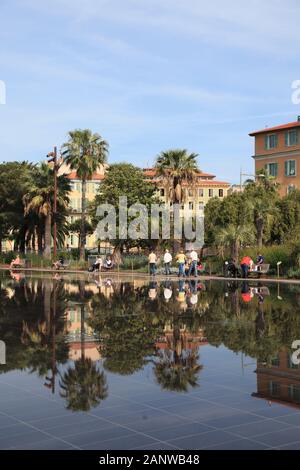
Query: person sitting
16	262
97	265
108	264
259	261
246	266
59	264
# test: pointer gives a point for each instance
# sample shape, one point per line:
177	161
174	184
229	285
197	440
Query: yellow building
204	188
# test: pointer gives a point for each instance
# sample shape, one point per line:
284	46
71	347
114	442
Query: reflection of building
188	340
277	150
74	337
279	382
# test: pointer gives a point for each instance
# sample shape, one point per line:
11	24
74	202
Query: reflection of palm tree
83	386
177	373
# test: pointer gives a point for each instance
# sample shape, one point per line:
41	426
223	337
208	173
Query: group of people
187	263
99	264
247	264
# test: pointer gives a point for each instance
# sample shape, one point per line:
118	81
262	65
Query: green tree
262	195
15	180
124	179
84	152
39	201
75	227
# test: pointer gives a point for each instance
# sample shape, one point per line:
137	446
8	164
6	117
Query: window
274	388
201	206
162	192
210	193
191	193
201	192
221	193
191	206
291	138
275	361
271	141
290	168
272	169
294	393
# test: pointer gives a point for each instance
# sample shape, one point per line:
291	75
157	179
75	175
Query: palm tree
39	201
176	168
84	152
234	236
83	386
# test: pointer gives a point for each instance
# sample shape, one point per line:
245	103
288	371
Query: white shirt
167	258
194	255
167	293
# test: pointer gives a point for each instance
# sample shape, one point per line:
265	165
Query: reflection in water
74	333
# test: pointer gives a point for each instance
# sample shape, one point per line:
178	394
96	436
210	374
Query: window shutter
286	168
286	138
266	141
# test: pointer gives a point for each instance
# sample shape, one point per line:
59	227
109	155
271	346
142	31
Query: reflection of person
152	291
167	262
246	265
167	292
152	258
15	262
246	292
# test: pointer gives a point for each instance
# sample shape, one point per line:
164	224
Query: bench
261	270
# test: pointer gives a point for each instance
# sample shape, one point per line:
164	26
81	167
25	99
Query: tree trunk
47	251
259	231
40	239
82	225
235	250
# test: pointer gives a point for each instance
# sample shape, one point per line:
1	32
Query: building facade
277	150
204	188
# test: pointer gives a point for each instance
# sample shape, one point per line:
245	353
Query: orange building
277	150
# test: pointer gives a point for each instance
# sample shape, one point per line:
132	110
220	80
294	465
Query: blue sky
148	75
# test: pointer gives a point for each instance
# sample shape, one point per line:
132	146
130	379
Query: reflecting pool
106	363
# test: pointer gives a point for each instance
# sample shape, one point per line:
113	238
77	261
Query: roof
151	172
95	177
290	125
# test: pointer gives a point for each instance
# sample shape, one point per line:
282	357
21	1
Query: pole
55	202
241	183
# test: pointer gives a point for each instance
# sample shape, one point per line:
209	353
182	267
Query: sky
148	75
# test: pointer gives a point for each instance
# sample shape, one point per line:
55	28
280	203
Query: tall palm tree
39	201
176	168
84	152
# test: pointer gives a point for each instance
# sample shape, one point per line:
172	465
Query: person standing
167	262
194	263
152	263
181	258
246	265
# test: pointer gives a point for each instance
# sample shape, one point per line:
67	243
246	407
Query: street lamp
252	176
278	268
53	158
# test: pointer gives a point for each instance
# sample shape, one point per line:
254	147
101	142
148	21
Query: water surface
107	364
